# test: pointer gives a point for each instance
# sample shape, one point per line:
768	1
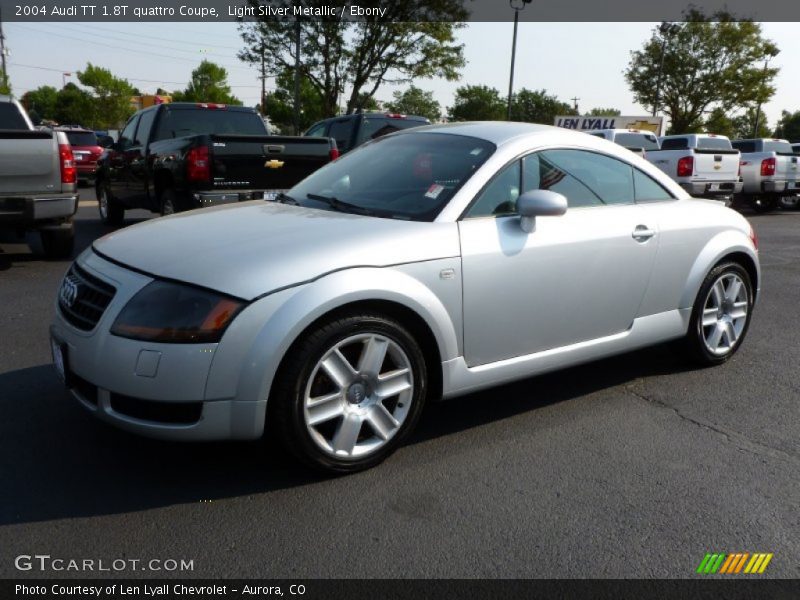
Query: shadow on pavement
57	461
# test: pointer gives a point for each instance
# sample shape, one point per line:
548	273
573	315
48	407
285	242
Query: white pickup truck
38	181
770	172
637	141
704	164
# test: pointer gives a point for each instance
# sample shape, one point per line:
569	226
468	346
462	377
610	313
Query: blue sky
583	60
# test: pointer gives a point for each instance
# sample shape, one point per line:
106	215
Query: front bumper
203	199
27	211
152	389
711	189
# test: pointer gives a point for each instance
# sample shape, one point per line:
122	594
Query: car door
576	278
138	163
119	159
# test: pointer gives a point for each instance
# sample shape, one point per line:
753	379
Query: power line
151	37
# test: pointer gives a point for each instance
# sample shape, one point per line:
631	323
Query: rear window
10	117
675	143
81	138
375	127
715	143
744	147
174	123
637	140
778	147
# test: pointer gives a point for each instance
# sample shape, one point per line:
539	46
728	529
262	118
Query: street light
667	30
517	5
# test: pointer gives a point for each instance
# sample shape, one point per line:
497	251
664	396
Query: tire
168	202
763	204
721	314
58	243
790	202
111	212
357	426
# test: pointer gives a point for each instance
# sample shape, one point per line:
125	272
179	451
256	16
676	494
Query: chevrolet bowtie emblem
273	164
717	167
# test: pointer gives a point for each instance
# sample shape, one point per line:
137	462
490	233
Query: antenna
3	50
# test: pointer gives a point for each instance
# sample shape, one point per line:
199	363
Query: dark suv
351	131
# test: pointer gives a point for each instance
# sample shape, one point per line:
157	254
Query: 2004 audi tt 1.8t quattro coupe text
426	264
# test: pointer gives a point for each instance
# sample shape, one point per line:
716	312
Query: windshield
715	143
409	176
81	138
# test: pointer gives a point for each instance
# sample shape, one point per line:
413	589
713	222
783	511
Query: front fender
718	247
249	354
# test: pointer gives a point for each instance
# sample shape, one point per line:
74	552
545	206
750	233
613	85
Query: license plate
272	195
59	359
714	187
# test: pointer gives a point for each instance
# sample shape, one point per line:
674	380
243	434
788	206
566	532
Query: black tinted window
145	125
637	140
126	137
176	122
341	131
375	127
584	178
81	138
744	147
10	117
674	144
648	189
317	130
715	143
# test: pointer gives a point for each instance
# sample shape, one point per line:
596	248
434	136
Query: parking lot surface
635	466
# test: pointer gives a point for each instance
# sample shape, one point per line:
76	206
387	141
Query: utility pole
575	103
263	80
3	50
297	78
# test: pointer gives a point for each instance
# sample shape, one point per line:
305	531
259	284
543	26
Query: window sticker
434	191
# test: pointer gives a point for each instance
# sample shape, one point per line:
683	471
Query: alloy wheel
725	314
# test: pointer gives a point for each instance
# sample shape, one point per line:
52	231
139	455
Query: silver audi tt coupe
427	264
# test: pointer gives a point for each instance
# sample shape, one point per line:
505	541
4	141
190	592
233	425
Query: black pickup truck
175	157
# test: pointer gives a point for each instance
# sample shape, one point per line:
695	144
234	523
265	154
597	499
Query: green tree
477	103
210	84
111	97
415	101
744	124
719	122
538	107
74	106
789	126
708	62
5	85
42	101
414	40
279	105
604	112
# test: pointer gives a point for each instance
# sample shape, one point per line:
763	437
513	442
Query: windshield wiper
341	205
282	198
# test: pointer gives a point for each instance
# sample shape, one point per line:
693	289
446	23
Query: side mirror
539	203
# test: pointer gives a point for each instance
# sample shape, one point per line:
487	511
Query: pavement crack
731	436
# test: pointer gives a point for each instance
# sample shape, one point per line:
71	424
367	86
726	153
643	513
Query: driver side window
126	137
500	196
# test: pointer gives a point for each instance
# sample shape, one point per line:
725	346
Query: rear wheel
764	204
721	314
168	202
58	243
111	212
350	392
790	202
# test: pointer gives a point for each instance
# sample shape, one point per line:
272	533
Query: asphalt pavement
632	467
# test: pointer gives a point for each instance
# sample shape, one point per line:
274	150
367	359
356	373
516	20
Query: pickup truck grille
83	298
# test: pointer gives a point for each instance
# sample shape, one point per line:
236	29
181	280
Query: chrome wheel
102	203
358	395
725	314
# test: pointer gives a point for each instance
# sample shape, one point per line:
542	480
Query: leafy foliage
789	126
111	97
708	62
415	101
412	41
604	112
279	105
477	103
209	83
538	107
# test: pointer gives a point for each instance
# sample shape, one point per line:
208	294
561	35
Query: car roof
497	132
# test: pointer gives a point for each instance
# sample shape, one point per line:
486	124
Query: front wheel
349	392
721	314
111	212
764	204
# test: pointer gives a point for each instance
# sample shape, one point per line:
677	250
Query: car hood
253	248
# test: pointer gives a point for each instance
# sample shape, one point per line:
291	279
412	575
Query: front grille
172	413
83	298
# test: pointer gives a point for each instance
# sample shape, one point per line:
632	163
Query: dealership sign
589	123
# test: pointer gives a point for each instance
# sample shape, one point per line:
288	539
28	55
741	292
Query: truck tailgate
268	162
28	162
786	167
716	164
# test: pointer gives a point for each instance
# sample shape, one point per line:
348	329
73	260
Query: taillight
686	166
768	167
69	174
334	154
754	237
211	105
739	174
198	165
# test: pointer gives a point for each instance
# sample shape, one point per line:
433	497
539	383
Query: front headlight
176	314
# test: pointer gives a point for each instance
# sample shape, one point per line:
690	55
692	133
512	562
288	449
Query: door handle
642	233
